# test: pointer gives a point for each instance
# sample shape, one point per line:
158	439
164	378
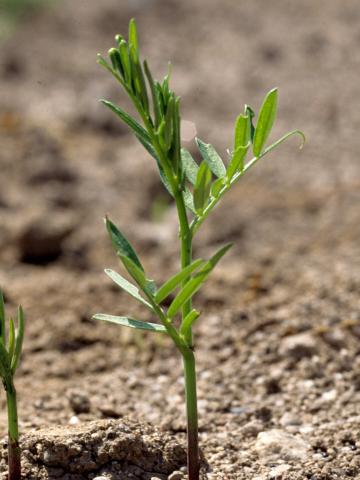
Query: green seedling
10	351
196	190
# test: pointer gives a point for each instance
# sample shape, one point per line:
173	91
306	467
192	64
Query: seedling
10	351
196	190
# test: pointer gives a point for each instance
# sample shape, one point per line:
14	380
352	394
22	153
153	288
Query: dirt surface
278	346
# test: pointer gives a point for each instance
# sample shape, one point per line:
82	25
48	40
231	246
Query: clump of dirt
277	344
117	449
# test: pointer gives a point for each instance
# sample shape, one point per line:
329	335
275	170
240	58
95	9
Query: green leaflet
265	121
131	323
125	60
19	340
127	286
121	244
170	285
212	158
188	199
137	273
216	187
188	322
138	78
195	283
133	36
130	121
156	105
249	112
5	369
115	58
169	122
242	131
190	167
2	318
11	338
237	162
202	187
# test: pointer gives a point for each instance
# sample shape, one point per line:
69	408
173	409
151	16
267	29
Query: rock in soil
109	448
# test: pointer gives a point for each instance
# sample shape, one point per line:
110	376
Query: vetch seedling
196	190
10	351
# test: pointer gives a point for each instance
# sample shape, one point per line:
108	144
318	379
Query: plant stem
192	416
188	355
13	433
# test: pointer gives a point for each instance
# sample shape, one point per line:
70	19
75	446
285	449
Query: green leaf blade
19	340
121	244
202	187
190	167
195	283
212	158
131	323
265	121
127	286
170	285
242	131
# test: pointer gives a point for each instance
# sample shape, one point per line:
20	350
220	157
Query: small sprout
10	352
195	192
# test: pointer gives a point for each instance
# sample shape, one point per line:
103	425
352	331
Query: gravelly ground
278	345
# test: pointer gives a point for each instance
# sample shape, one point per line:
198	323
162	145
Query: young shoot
10	351
196	190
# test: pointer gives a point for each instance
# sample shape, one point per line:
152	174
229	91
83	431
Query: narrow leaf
4	363
137	273
127	286
11	338
188	322
115	58
125	61
188	200
139	79
212	158
265	121
19	340
131	323
133	37
249	112
189	166
156	105
195	283
237	162
242	131
202	187
2	318
130	121
170	285
121	244
216	187
169	122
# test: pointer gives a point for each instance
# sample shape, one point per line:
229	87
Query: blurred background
65	161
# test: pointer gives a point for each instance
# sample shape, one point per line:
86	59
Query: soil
278	344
